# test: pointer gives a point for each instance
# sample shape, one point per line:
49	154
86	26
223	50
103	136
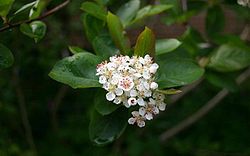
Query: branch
50	12
202	111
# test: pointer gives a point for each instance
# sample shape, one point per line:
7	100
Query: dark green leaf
118	34
145	43
214	20
105	129
104	46
75	50
176	71
166	45
35	30
78	71
94	10
6	57
230	58
128	11
102	105
5	6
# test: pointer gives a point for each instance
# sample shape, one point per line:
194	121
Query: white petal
131	121
146	85
117	100
126	104
110	96
102	79
155	110
152	101
149	116
118	91
148	93
132	101
162	106
142	111
141	102
153	68
153	85
135	114
146	74
141	123
133	93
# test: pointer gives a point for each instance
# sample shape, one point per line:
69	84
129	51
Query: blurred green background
224	131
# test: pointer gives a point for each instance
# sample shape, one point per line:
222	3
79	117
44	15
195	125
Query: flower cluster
130	81
244	2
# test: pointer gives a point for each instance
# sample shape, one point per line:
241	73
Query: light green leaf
150	11
128	11
169	91
37	8
77	71
35	30
75	50
176	71
145	43
94	10
23	8
229	58
105	129
104	46
6	57
5	6
102	105
118	34
166	45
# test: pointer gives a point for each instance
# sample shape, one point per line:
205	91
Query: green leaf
176	71
150	11
94	10
25	7
35	30
128	11
230	57
166	45
75	50
92	27
104	46
5	6
6	57
37	8
215	20
222	80
78	71
145	43
102	105
105	129
169	91
118	34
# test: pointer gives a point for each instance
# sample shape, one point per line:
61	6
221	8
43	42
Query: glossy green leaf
104	46
118	34
230	57
102	105
94	10
75	50
105	129
77	71
222	80
6	57
37	8
92	26
150	11
166	45
5	6
25	7
214	20
176	71
145	43
128	11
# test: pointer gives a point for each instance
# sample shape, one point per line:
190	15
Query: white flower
132	101
140	101
102	79
137	118
118	91
126	83
153	85
153	68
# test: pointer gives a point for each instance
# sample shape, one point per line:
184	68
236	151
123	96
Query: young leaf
104	46
35	30
230	57
128	11
166	45
23	8
145	43
117	33
94	10
176	71
37	8
5	6
75	50
77	71
102	105
105	129
6	57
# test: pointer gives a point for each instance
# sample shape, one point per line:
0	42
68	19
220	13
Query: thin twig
202	111
23	111
50	12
